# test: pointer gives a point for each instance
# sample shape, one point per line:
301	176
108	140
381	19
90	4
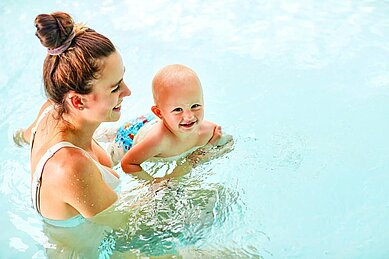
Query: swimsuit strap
37	178
33	130
107	176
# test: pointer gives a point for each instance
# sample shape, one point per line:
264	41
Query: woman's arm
217	145
101	154
22	136
82	186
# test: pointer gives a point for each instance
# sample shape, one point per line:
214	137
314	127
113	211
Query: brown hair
80	64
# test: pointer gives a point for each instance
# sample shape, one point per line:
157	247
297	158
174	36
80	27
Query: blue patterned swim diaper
126	133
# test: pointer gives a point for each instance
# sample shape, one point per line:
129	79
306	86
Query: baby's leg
116	152
105	135
124	138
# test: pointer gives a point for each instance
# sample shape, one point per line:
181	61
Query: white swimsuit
107	176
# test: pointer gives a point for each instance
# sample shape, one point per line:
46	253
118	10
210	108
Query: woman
72	177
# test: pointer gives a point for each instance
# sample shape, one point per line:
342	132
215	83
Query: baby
177	130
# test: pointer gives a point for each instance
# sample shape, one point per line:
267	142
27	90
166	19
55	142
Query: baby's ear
156	111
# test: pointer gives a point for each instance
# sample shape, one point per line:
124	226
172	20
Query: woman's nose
126	91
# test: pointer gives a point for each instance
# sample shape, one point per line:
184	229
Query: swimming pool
302	86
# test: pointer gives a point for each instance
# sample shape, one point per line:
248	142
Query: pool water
302	86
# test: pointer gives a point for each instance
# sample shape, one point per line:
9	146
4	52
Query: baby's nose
188	115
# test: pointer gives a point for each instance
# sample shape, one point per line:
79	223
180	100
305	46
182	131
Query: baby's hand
219	139
217	134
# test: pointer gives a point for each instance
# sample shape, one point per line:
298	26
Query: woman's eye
116	88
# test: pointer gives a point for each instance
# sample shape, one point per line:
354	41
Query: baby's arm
218	138
147	148
218	144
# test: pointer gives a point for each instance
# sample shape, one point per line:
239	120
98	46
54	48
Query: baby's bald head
172	76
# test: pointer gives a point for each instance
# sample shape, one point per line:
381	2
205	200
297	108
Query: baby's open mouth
188	125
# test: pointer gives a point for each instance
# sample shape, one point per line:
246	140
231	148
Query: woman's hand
209	152
19	138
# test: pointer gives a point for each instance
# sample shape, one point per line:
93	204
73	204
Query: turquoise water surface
302	86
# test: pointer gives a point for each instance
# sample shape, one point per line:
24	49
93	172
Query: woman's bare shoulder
68	164
75	179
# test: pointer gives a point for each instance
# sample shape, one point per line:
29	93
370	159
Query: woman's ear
156	111
76	100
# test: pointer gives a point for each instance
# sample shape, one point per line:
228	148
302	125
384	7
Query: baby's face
182	105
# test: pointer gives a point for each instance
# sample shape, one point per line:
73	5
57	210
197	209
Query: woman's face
104	102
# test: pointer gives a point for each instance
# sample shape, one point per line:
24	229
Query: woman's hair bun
53	29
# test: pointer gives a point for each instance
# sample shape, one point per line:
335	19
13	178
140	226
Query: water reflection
152	220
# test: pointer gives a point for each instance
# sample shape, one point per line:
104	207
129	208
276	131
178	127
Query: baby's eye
177	110
195	106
